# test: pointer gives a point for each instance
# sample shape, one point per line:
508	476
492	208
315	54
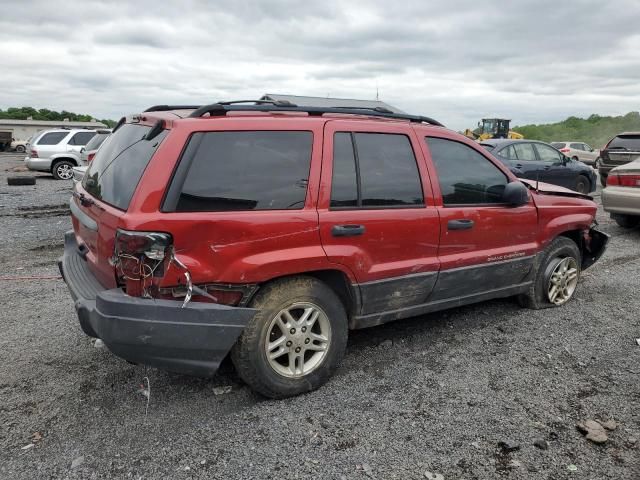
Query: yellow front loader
492	128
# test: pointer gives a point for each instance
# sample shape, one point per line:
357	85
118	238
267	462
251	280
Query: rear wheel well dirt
337	281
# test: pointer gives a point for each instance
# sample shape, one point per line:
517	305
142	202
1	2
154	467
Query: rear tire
281	352
21	180
626	221
575	159
560	253
583	185
62	170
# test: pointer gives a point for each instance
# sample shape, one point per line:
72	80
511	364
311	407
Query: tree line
22	113
595	130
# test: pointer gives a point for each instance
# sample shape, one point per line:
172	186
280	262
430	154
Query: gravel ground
435	394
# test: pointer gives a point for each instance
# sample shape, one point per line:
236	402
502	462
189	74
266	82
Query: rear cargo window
251	170
117	167
558	145
625	142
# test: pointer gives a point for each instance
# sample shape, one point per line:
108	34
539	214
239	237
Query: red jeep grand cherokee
267	231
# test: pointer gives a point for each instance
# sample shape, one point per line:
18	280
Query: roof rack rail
164	108
220	109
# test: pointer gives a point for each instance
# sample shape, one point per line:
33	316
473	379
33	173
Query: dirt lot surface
466	394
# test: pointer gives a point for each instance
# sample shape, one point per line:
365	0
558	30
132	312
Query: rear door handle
462	224
347	230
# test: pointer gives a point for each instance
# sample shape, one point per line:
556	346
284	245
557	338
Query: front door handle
461	224
347	230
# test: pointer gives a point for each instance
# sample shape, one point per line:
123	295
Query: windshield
116	170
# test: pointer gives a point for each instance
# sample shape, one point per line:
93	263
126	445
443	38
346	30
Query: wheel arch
335	279
55	160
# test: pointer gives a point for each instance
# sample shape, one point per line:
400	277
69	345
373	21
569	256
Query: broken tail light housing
623	180
141	259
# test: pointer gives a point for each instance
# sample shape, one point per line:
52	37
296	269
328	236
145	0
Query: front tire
296	340
62	170
557	276
20	149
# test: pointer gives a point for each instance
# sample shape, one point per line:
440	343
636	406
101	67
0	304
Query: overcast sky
457	61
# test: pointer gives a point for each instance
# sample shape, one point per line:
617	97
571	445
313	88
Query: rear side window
117	167
508	152
52	138
249	170
575	146
525	152
625	142
466	177
81	138
374	170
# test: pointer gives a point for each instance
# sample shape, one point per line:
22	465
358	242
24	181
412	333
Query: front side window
374	170
466	177
52	138
525	152
587	148
548	154
247	170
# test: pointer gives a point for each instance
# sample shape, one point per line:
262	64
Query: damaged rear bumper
192	340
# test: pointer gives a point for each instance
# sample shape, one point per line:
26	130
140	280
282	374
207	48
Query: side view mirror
515	194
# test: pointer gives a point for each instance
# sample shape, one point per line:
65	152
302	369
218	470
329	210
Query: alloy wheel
562	281
64	171
298	339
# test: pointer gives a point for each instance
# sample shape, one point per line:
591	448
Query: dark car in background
539	161
621	149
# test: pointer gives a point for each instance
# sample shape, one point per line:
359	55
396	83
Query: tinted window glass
81	138
388	171
587	148
548	154
52	138
117	167
524	152
263	170
96	141
344	186
626	142
465	176
508	152
557	145
487	146
575	146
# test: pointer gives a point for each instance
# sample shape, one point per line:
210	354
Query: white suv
579	151
57	151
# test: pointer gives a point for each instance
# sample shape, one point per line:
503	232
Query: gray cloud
458	61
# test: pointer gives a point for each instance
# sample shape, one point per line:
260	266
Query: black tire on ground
583	185
21	180
603	180
249	354
20	149
560	248
62	170
626	221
